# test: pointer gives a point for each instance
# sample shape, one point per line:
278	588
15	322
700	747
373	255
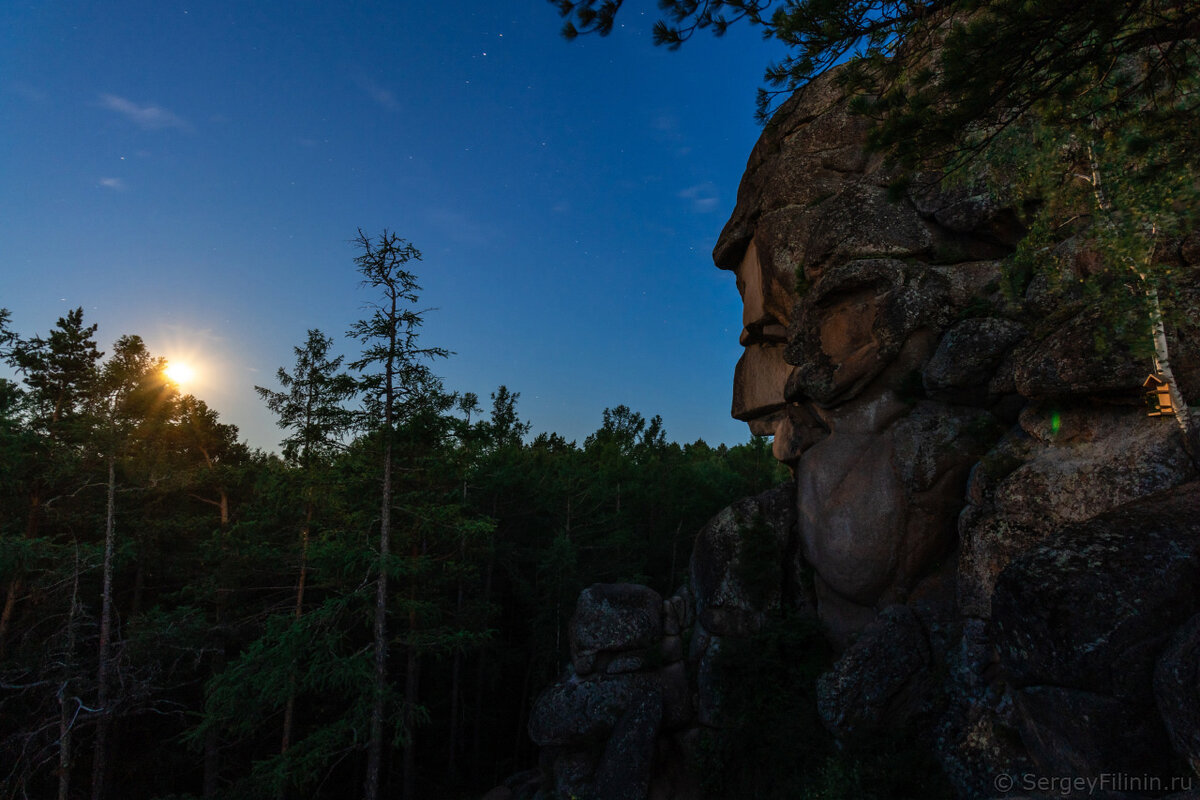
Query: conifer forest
372	605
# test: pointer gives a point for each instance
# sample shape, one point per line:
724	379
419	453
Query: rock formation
1000	543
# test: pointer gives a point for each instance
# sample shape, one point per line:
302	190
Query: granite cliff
1000	547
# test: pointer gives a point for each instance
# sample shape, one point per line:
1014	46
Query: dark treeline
186	617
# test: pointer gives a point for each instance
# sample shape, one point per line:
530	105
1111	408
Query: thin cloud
115	184
384	98
190	334
702	196
666	130
150	117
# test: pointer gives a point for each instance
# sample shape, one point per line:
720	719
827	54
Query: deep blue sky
193	173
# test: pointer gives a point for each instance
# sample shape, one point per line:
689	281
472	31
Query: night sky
194	173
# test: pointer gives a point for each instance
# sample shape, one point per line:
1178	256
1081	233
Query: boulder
882	681
614	618
575	775
1177	690
1070	361
1078	624
968	357
1073	464
709	689
1183	336
624	770
742	563
575	712
855	220
976	743
964	208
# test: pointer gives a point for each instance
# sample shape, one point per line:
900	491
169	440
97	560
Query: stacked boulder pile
625	720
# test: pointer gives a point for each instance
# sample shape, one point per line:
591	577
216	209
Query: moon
179	372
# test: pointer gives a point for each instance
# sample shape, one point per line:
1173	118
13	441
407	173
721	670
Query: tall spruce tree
313	411
397	385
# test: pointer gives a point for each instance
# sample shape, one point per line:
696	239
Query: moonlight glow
179	372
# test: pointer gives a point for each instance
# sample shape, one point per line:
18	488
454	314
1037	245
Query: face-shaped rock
842	308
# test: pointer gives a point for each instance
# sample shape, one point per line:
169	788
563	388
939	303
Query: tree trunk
1162	357
480	673
456	674
289	711
674	548
375	747
16	584
212	738
411	686
1162	362
100	755
65	723
10	602
66	719
455	713
139	587
522	712
212	762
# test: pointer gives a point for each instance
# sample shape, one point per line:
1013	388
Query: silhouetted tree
397	384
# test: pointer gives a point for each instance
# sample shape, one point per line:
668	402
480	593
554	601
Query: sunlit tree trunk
1162	356
1162	361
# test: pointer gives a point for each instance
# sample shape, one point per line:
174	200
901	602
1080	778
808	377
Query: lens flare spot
179	372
